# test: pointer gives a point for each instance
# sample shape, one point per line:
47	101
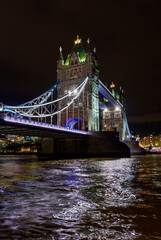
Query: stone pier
97	144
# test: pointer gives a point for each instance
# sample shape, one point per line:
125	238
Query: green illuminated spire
67	60
61	55
79	50
114	92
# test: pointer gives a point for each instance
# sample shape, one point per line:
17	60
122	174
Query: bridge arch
71	123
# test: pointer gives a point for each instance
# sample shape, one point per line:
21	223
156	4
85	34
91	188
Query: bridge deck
23	127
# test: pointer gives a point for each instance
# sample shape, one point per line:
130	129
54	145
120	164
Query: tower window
72	62
76	62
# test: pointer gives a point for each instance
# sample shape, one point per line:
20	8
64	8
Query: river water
80	199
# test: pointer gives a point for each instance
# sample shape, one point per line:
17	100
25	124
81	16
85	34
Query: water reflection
80	199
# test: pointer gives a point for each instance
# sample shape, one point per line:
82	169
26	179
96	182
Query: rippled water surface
80	199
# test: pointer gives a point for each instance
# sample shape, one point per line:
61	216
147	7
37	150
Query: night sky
126	34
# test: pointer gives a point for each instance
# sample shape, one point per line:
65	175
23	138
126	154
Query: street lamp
106	110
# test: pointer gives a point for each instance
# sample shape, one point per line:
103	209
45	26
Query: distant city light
1	106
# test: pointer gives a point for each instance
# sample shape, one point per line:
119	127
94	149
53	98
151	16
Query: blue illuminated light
18	110
47	94
70	122
41	125
103	90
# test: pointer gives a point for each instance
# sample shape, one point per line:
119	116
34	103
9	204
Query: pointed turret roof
114	91
79	50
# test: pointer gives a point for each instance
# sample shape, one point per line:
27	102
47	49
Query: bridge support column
47	146
93	120
1	115
98	144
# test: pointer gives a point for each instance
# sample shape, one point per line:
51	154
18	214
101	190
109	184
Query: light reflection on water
80	199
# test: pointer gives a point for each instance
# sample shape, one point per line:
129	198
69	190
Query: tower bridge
83	104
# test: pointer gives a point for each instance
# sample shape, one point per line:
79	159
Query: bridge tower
114	117
71	71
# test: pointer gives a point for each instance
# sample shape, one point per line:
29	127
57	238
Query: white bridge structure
82	104
40	111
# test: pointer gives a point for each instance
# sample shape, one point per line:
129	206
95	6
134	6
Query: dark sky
126	34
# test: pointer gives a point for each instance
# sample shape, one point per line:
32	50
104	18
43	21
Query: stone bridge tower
71	72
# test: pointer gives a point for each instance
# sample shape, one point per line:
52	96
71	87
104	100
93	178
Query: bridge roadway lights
41	125
75	143
95	144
